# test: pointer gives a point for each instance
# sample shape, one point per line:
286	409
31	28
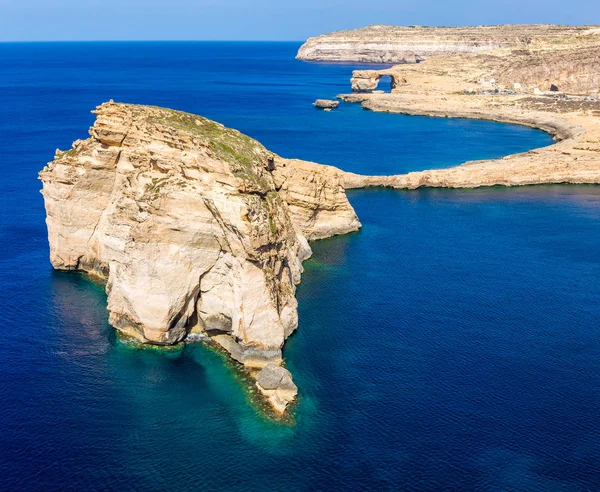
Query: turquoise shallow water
451	344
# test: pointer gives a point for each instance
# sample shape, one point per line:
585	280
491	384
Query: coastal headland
197	229
200	232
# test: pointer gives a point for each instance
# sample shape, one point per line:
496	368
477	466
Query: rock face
316	198
411	44
275	383
326	104
572	70
189	223
545	57
365	80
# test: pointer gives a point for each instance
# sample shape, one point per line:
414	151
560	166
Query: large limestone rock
185	220
368	80
365	80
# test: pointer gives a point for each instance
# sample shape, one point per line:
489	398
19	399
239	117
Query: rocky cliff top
409	44
571	66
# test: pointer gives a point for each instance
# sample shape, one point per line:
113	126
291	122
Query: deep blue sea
452	344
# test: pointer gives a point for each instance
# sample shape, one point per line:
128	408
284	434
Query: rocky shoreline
575	158
200	232
446	87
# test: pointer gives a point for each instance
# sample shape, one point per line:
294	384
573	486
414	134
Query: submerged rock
197	228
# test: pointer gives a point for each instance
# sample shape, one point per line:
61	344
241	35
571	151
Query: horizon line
152	41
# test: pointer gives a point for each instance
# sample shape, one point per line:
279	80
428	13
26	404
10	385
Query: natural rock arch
368	80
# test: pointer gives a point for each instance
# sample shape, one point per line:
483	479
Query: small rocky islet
200	232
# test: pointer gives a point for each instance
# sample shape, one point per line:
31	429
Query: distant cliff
392	44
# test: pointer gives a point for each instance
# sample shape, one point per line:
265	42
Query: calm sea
452	344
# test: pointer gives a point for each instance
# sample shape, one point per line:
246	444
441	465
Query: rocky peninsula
198	230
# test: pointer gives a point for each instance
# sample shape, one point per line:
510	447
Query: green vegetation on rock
240	151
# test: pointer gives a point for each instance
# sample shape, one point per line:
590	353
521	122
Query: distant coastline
542	76
413	44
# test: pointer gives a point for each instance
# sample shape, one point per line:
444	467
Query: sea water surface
452	344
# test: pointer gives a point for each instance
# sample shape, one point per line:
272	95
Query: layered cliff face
571	70
315	198
411	44
196	228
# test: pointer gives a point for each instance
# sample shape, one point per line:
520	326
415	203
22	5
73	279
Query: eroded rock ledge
196	229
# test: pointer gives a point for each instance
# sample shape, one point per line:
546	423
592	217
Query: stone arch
368	80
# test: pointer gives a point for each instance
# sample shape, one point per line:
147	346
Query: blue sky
26	20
